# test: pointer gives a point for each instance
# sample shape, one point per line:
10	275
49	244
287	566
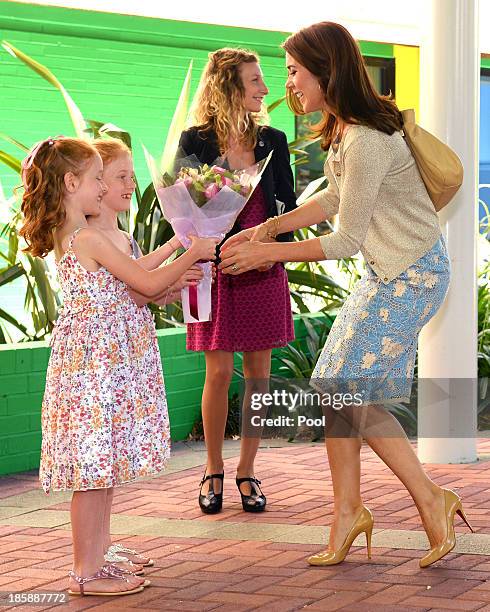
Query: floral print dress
371	348
104	413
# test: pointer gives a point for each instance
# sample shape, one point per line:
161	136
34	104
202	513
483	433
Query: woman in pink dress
251	313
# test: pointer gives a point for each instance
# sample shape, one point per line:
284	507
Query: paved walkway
236	561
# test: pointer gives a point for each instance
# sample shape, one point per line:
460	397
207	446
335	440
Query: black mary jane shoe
211	502
255	502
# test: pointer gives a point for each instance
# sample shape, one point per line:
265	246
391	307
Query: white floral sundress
104	412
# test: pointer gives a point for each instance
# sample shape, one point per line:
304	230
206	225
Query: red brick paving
205	574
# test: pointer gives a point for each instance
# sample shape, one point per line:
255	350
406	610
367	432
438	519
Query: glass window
484	179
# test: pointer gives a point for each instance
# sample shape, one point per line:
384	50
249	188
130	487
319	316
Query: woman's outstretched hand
243	236
242	257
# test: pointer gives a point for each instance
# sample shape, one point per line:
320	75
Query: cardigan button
261	143
386	278
372	263
337	174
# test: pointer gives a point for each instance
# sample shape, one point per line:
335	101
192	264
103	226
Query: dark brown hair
331	54
43	173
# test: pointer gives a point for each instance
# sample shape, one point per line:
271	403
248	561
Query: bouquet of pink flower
203	200
204	182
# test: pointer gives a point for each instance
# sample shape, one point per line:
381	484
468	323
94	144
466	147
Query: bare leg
107	518
87	522
345	466
107	535
256	370
219	371
386	437
398	454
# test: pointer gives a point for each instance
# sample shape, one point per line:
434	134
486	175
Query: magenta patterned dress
251	311
104	413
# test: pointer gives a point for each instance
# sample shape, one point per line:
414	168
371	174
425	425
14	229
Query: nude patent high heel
363	524
453	506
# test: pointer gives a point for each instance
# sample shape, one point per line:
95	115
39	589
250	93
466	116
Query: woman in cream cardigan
384	212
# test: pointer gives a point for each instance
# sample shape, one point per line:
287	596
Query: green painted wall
23	376
123	69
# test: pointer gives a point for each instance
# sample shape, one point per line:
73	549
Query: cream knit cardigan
384	209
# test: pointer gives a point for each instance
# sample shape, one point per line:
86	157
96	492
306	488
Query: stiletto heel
462	514
211	502
363	524
369	533
452	506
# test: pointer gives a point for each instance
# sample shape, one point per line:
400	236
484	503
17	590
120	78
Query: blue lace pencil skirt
371	348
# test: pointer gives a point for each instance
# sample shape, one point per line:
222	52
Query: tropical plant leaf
177	125
8	275
93	127
300	161
109	129
302	143
76	116
299	301
4	335
39	270
13	245
10	161
297	152
13	321
310	190
314	280
14	142
275	104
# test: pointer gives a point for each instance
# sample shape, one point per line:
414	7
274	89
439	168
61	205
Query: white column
450	76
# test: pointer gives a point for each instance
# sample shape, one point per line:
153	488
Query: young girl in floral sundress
104	417
118	178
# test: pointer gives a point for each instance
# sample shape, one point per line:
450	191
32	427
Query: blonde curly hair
218	105
110	149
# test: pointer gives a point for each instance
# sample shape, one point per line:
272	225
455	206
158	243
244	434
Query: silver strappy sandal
113	557
115	570
119	548
103	574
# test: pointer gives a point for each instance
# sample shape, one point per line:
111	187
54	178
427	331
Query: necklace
336	141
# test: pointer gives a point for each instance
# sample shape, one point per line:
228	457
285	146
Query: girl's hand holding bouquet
203	200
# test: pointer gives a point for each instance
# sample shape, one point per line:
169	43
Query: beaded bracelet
272	233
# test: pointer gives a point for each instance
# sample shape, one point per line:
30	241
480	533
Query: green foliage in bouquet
204	182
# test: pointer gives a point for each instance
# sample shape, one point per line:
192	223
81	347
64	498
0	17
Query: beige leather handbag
439	166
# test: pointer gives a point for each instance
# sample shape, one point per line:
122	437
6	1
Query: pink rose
211	191
218	170
228	182
186	180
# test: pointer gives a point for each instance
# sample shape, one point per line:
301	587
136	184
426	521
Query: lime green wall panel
123	69
375	49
